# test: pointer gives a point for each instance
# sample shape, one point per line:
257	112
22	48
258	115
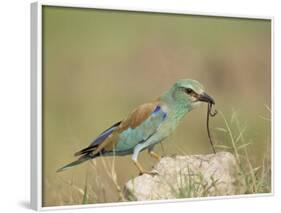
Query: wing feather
135	118
98	140
108	139
138	115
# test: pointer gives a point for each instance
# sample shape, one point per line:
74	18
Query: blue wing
137	128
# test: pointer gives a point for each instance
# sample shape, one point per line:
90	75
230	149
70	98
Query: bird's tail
82	159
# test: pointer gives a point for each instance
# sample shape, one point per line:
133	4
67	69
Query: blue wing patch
158	111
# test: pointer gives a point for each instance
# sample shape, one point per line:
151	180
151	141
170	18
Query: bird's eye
188	90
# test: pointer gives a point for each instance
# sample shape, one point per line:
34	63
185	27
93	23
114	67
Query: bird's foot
152	173
143	171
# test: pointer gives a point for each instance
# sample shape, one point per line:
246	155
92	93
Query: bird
146	126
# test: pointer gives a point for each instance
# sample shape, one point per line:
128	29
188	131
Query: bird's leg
154	154
137	149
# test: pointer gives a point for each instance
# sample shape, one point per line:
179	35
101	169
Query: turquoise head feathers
186	94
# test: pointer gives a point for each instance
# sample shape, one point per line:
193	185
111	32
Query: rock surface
188	176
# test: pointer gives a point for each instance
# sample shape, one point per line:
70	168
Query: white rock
189	176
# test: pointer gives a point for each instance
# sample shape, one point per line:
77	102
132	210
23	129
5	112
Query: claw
152	173
142	171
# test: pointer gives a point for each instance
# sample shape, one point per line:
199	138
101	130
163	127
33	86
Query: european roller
147	125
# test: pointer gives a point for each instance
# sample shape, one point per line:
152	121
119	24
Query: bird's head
188	93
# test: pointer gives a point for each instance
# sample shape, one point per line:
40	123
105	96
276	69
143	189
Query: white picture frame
36	102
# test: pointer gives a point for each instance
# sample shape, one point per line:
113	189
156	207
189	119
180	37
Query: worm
212	114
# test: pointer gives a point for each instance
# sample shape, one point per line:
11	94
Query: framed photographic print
137	106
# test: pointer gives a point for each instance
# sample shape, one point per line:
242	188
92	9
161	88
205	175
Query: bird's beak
204	97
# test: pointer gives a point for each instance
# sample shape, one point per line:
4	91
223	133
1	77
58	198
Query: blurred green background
100	64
